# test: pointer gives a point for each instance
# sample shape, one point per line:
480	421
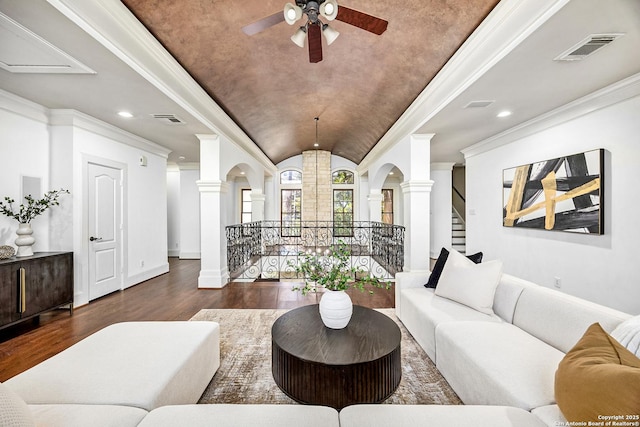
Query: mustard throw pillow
598	378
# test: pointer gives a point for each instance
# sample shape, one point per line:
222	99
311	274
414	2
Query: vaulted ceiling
435	58
267	85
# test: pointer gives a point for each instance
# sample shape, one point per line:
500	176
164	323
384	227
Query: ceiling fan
314	27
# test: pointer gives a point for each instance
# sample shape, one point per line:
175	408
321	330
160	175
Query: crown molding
508	24
67	117
23	107
610	95
442	166
116	28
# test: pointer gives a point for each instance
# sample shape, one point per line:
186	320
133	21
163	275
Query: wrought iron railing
270	249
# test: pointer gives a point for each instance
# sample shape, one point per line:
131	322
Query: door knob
95	239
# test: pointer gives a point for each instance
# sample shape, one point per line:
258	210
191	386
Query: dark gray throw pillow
442	259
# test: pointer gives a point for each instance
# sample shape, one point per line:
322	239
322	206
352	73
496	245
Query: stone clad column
316	186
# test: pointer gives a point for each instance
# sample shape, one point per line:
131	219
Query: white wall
603	268
173	211
189	214
441	174
56	145
24	151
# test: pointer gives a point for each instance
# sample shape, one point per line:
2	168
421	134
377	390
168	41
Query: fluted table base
316	365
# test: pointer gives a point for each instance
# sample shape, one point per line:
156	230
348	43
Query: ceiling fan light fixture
292	13
329	33
329	9
299	36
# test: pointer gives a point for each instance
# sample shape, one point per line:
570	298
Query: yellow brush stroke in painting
587	188
516	195
549	186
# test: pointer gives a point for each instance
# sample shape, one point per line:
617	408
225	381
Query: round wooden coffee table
336	367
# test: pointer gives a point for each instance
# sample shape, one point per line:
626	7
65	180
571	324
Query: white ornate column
375	205
416	196
417	204
213	254
257	205
441	174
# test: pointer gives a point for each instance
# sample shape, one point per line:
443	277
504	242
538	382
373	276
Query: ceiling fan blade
361	20
314	35
263	24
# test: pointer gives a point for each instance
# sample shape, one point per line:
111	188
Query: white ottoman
86	415
225	415
139	364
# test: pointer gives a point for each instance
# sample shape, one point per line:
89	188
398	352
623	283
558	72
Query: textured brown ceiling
267	85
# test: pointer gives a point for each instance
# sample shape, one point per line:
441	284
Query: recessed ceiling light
390	173
316	145
242	172
125	114
181	158
504	114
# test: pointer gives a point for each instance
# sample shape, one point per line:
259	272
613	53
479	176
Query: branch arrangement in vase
332	270
26	214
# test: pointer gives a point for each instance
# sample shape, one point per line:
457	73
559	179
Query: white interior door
105	223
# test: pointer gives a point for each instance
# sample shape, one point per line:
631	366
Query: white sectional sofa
151	374
507	359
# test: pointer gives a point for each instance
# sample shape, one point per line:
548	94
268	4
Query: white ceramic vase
336	309
25	240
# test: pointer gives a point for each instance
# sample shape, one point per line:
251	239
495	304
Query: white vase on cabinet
25	240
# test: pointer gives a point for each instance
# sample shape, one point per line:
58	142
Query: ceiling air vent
169	119
587	46
478	104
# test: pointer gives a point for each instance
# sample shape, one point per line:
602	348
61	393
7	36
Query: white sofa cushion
87	415
242	415
473	285
496	364
628	334
550	415
507	295
140	364
422	311
436	416
560	319
13	410
407	280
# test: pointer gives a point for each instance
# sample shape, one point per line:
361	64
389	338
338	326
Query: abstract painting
563	194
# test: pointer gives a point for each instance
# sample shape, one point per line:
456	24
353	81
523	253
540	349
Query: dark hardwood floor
172	296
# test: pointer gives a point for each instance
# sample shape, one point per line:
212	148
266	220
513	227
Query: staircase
458	234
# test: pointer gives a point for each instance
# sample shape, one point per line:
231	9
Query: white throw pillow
473	285
13	410
627	333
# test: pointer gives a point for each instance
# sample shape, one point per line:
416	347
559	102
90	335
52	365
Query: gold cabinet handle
23	290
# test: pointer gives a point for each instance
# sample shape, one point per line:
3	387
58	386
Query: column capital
375	196
207	137
417	186
258	197
207	186
442	166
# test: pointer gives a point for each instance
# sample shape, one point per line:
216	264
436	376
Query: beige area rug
245	374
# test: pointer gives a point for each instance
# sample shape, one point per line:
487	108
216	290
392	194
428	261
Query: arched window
291	177
342	177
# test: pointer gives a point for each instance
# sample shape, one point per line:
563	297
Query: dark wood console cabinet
30	286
